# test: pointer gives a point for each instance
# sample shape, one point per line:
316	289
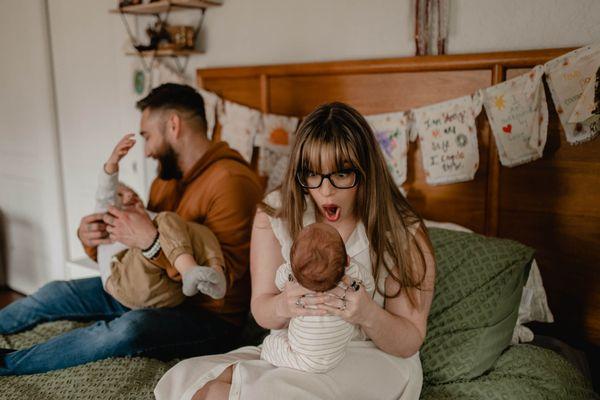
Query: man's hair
181	98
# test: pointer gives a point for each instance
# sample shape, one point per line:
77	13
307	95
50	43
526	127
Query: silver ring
299	302
355	285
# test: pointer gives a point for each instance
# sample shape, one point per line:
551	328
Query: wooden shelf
163	5
164	53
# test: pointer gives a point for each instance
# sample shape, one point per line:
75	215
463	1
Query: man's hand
131	226
92	230
120	150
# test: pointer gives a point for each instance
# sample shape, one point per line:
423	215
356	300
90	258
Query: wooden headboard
552	204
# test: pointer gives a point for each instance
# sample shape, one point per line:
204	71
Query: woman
337	175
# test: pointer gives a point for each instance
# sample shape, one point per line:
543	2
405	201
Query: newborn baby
318	261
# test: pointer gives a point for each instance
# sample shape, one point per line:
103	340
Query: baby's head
318	257
127	196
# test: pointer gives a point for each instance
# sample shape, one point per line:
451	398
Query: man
202	182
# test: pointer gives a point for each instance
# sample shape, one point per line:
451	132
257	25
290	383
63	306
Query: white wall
30	178
95	97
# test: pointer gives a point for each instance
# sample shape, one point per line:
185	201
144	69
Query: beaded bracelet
153	250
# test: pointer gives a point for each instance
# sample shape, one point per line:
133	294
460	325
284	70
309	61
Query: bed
549	205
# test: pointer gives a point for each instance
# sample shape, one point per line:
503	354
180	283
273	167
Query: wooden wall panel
372	93
553	205
244	91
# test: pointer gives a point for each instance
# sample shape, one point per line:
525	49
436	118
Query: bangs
327	152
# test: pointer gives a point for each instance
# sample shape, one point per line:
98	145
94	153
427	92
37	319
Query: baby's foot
191	278
206	280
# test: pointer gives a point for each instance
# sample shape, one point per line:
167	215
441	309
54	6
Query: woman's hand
350	301
295	301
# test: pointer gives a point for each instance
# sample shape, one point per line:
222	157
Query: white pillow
534	303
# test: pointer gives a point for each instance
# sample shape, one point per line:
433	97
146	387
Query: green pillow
478	288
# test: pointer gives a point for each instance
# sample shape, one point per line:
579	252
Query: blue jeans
162	333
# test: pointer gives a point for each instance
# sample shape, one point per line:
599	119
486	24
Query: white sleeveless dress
364	373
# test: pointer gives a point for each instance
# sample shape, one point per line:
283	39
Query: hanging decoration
391	131
448	138
587	110
239	125
211	104
516	109
277	173
274	140
518	116
567	78
431	26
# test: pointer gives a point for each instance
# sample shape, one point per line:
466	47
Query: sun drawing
500	102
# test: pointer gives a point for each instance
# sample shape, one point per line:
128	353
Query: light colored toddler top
106	195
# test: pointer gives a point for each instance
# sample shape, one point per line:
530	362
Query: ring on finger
355	285
300	303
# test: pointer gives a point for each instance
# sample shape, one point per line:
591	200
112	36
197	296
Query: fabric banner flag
448	138
587	109
278	173
211	104
518	115
567	78
275	140
239	125
391	131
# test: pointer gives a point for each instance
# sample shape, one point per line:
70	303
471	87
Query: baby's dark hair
318	257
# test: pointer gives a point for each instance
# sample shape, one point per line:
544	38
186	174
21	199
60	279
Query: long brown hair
341	133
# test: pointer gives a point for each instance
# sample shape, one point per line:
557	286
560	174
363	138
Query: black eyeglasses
344	179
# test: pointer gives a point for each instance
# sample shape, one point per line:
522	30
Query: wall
30	176
95	97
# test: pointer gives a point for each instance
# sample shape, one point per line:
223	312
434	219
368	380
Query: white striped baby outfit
313	343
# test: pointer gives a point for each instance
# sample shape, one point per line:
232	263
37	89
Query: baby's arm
106	193
282	276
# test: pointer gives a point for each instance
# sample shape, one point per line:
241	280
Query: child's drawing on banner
211	103
239	125
391	131
518	116
567	77
278	173
587	109
448	138
274	139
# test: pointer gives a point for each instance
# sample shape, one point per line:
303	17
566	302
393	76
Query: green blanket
522	372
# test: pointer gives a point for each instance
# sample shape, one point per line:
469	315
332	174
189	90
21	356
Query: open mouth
332	212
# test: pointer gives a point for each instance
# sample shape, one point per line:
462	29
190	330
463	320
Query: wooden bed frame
552	204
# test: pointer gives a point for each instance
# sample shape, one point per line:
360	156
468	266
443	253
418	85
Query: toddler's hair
318	257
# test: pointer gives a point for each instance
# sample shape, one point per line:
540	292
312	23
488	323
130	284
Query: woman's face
334	204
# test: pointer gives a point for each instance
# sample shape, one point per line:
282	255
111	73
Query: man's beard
168	167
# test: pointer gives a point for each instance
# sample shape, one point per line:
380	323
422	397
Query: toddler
318	261
129	275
